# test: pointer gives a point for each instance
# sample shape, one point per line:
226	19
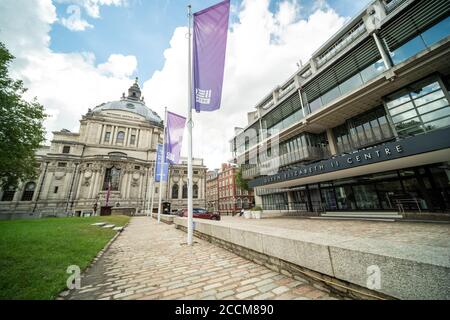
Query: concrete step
109	226
120	229
353	218
362	215
99	224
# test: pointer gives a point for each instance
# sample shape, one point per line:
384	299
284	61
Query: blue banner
158	166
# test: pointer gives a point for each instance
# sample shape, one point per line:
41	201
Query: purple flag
174	136
210	43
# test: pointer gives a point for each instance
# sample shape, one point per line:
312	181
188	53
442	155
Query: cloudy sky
76	54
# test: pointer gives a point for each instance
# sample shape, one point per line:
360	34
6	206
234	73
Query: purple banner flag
210	43
174	137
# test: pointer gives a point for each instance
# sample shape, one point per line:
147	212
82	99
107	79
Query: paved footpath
151	261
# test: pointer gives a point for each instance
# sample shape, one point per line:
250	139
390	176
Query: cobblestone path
151	261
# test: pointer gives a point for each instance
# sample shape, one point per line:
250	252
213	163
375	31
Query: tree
21	128
240	181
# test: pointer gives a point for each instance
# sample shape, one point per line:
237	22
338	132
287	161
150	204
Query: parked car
201	214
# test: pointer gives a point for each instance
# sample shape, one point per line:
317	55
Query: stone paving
150	261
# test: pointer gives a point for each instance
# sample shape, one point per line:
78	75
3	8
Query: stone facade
212	190
116	143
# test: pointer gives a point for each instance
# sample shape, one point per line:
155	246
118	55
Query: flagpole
161	167
189	125
152	191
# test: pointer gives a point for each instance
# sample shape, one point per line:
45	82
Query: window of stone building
120	137
66	149
195	172
107	136
137	168
195	191
175	191
8	194
156	189
62	164
185	191
56	190
28	191
112	176
133	139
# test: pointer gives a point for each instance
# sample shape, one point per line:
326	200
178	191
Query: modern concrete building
116	145
362	128
231	197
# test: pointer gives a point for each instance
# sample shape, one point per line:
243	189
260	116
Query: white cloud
262	52
74	22
263	48
119	66
92	7
66	84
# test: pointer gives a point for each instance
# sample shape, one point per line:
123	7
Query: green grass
35	254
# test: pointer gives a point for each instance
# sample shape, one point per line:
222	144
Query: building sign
393	150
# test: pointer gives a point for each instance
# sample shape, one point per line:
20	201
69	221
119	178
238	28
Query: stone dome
132	103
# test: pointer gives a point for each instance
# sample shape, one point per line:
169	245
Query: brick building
232	198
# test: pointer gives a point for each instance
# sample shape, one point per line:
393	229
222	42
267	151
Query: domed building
114	149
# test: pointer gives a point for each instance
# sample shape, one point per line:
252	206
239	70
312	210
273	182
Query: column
332	142
113	135
386	58
291	204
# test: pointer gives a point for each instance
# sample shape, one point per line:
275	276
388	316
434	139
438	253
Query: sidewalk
151	261
413	258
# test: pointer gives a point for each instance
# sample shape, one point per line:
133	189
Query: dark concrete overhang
423	149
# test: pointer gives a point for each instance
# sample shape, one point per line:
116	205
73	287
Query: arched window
112	175
28	191
185	191
195	191
8	194
120	137
175	191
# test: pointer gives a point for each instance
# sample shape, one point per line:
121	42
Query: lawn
35	254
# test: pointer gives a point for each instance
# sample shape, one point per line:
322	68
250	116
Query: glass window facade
352	83
425	188
364	130
303	147
418	108
422	41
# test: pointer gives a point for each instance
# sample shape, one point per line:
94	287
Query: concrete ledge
166	218
336	261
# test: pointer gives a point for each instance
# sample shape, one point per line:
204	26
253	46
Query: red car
201	214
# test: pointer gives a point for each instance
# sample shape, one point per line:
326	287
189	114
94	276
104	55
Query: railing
268	105
341	44
296	207
285	91
408	204
310	153
391	5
